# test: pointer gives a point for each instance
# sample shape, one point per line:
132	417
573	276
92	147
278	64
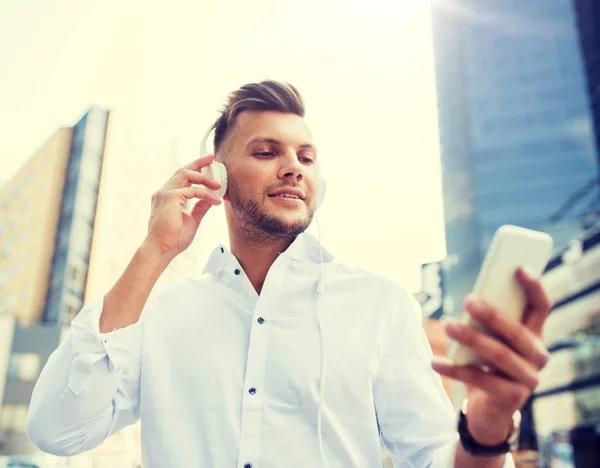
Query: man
277	355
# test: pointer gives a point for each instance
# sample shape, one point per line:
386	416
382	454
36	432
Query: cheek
313	185
246	185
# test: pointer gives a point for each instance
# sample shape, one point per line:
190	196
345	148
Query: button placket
252	400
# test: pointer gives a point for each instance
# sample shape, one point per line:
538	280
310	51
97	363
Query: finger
195	177
195	166
199	210
186	177
196	192
513	394
495	352
538	300
513	332
199	163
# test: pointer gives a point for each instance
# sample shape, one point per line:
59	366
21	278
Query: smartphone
496	283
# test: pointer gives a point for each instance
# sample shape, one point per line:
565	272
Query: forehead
287	128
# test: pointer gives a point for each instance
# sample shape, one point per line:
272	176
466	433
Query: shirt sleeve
89	388
417	421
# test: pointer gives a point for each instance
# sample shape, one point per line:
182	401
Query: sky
364	68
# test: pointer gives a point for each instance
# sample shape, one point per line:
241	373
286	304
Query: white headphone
217	171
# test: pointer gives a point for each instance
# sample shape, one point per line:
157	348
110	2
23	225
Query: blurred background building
518	88
70	220
588	25
517	139
47	221
566	404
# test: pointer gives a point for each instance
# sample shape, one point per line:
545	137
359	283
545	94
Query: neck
256	253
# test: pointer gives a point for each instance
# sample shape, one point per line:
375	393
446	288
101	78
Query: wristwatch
474	448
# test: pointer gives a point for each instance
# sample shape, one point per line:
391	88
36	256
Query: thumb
199	210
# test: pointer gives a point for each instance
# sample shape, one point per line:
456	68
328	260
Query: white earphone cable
320	288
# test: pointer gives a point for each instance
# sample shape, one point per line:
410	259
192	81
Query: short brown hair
268	95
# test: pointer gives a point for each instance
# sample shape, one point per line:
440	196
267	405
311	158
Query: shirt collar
304	247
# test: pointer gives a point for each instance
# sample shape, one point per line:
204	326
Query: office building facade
516	132
70	221
588	27
47	214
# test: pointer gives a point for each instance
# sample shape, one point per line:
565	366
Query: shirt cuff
90	346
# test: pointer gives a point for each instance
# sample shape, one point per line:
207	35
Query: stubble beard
258	223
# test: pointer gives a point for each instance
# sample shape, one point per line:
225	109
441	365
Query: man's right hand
171	229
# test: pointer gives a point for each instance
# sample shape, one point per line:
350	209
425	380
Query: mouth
288	194
289	197
287	200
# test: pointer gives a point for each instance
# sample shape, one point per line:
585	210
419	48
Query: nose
291	168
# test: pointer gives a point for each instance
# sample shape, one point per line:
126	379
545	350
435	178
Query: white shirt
223	377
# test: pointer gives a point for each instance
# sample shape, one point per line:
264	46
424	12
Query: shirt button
248	465
222	250
237	271
260	320
252	391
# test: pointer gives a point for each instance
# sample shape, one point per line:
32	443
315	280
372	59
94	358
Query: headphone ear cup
217	171
321	191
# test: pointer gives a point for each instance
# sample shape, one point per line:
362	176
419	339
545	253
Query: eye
306	157
265	154
306	160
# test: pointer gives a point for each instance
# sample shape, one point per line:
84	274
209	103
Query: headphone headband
203	150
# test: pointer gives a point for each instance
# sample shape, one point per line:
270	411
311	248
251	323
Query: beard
254	217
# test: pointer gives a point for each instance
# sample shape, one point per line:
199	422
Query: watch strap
473	447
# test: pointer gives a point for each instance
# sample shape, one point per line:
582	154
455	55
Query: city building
70	221
566	403
516	135
47	215
29	216
588	25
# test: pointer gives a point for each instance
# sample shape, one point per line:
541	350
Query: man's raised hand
170	228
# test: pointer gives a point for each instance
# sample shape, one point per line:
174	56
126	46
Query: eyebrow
277	142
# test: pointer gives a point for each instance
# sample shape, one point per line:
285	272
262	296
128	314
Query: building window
71	307
24	366
13	418
7	305
76	275
81	235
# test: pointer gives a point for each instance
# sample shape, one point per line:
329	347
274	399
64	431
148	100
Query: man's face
272	175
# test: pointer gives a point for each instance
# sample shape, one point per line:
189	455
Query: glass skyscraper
516	131
588	25
47	216
68	273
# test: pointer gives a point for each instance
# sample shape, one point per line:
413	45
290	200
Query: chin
271	220
293	222
292	217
